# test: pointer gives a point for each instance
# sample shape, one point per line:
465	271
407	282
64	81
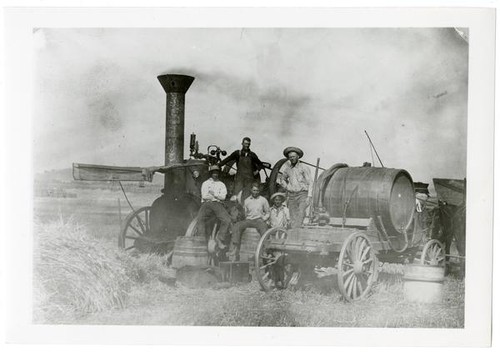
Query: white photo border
19	25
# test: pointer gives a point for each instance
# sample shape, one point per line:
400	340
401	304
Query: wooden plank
351	222
89	172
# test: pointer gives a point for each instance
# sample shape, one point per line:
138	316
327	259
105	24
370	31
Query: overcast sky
97	99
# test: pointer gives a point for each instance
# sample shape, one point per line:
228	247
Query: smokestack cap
175	83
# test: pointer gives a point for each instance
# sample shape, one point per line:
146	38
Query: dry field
81	277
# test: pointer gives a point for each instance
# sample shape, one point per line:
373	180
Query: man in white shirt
256	214
296	179
213	193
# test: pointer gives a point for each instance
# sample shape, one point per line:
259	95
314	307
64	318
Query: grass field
77	249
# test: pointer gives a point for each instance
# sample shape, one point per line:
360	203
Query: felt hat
293	149
213	168
278	194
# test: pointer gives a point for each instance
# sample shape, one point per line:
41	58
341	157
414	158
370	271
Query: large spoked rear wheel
433	254
357	267
275	177
135	226
271	266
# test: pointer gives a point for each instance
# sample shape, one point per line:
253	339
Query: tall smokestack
176	87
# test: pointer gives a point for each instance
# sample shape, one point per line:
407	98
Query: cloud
315	88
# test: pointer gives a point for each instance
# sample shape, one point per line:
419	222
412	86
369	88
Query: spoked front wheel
433	254
357	267
136	226
271	266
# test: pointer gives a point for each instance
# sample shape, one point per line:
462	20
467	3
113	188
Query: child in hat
279	213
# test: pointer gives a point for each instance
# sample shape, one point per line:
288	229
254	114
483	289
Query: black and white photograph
254	176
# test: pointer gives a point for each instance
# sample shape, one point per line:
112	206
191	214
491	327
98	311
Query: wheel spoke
364	279
266	275
365	252
348	272
368	261
136	230
347	262
131	237
352	252
433	252
351	286
348	281
357	252
141	223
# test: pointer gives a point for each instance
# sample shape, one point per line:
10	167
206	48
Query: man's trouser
297	204
239	227
244	184
209	210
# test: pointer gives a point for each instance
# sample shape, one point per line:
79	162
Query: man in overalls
248	167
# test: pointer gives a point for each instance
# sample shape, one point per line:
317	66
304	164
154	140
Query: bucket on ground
423	283
190	251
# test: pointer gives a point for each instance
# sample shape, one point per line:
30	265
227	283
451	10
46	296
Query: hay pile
75	274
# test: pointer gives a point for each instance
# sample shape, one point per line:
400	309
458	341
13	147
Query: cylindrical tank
364	192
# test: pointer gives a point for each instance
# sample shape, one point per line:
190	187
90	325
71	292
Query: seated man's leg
224	218
260	225
204	214
238	229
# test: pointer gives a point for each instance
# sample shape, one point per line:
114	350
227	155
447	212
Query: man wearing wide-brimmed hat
213	193
279	215
298	184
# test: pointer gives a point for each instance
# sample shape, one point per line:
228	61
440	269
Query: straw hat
278	194
293	149
213	168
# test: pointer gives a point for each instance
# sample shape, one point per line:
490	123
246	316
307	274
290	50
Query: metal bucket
190	251
249	240
423	283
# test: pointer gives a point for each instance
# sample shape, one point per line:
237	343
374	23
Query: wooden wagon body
390	229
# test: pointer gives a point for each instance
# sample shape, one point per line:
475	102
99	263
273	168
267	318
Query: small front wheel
357	267
136	226
271	266
433	254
